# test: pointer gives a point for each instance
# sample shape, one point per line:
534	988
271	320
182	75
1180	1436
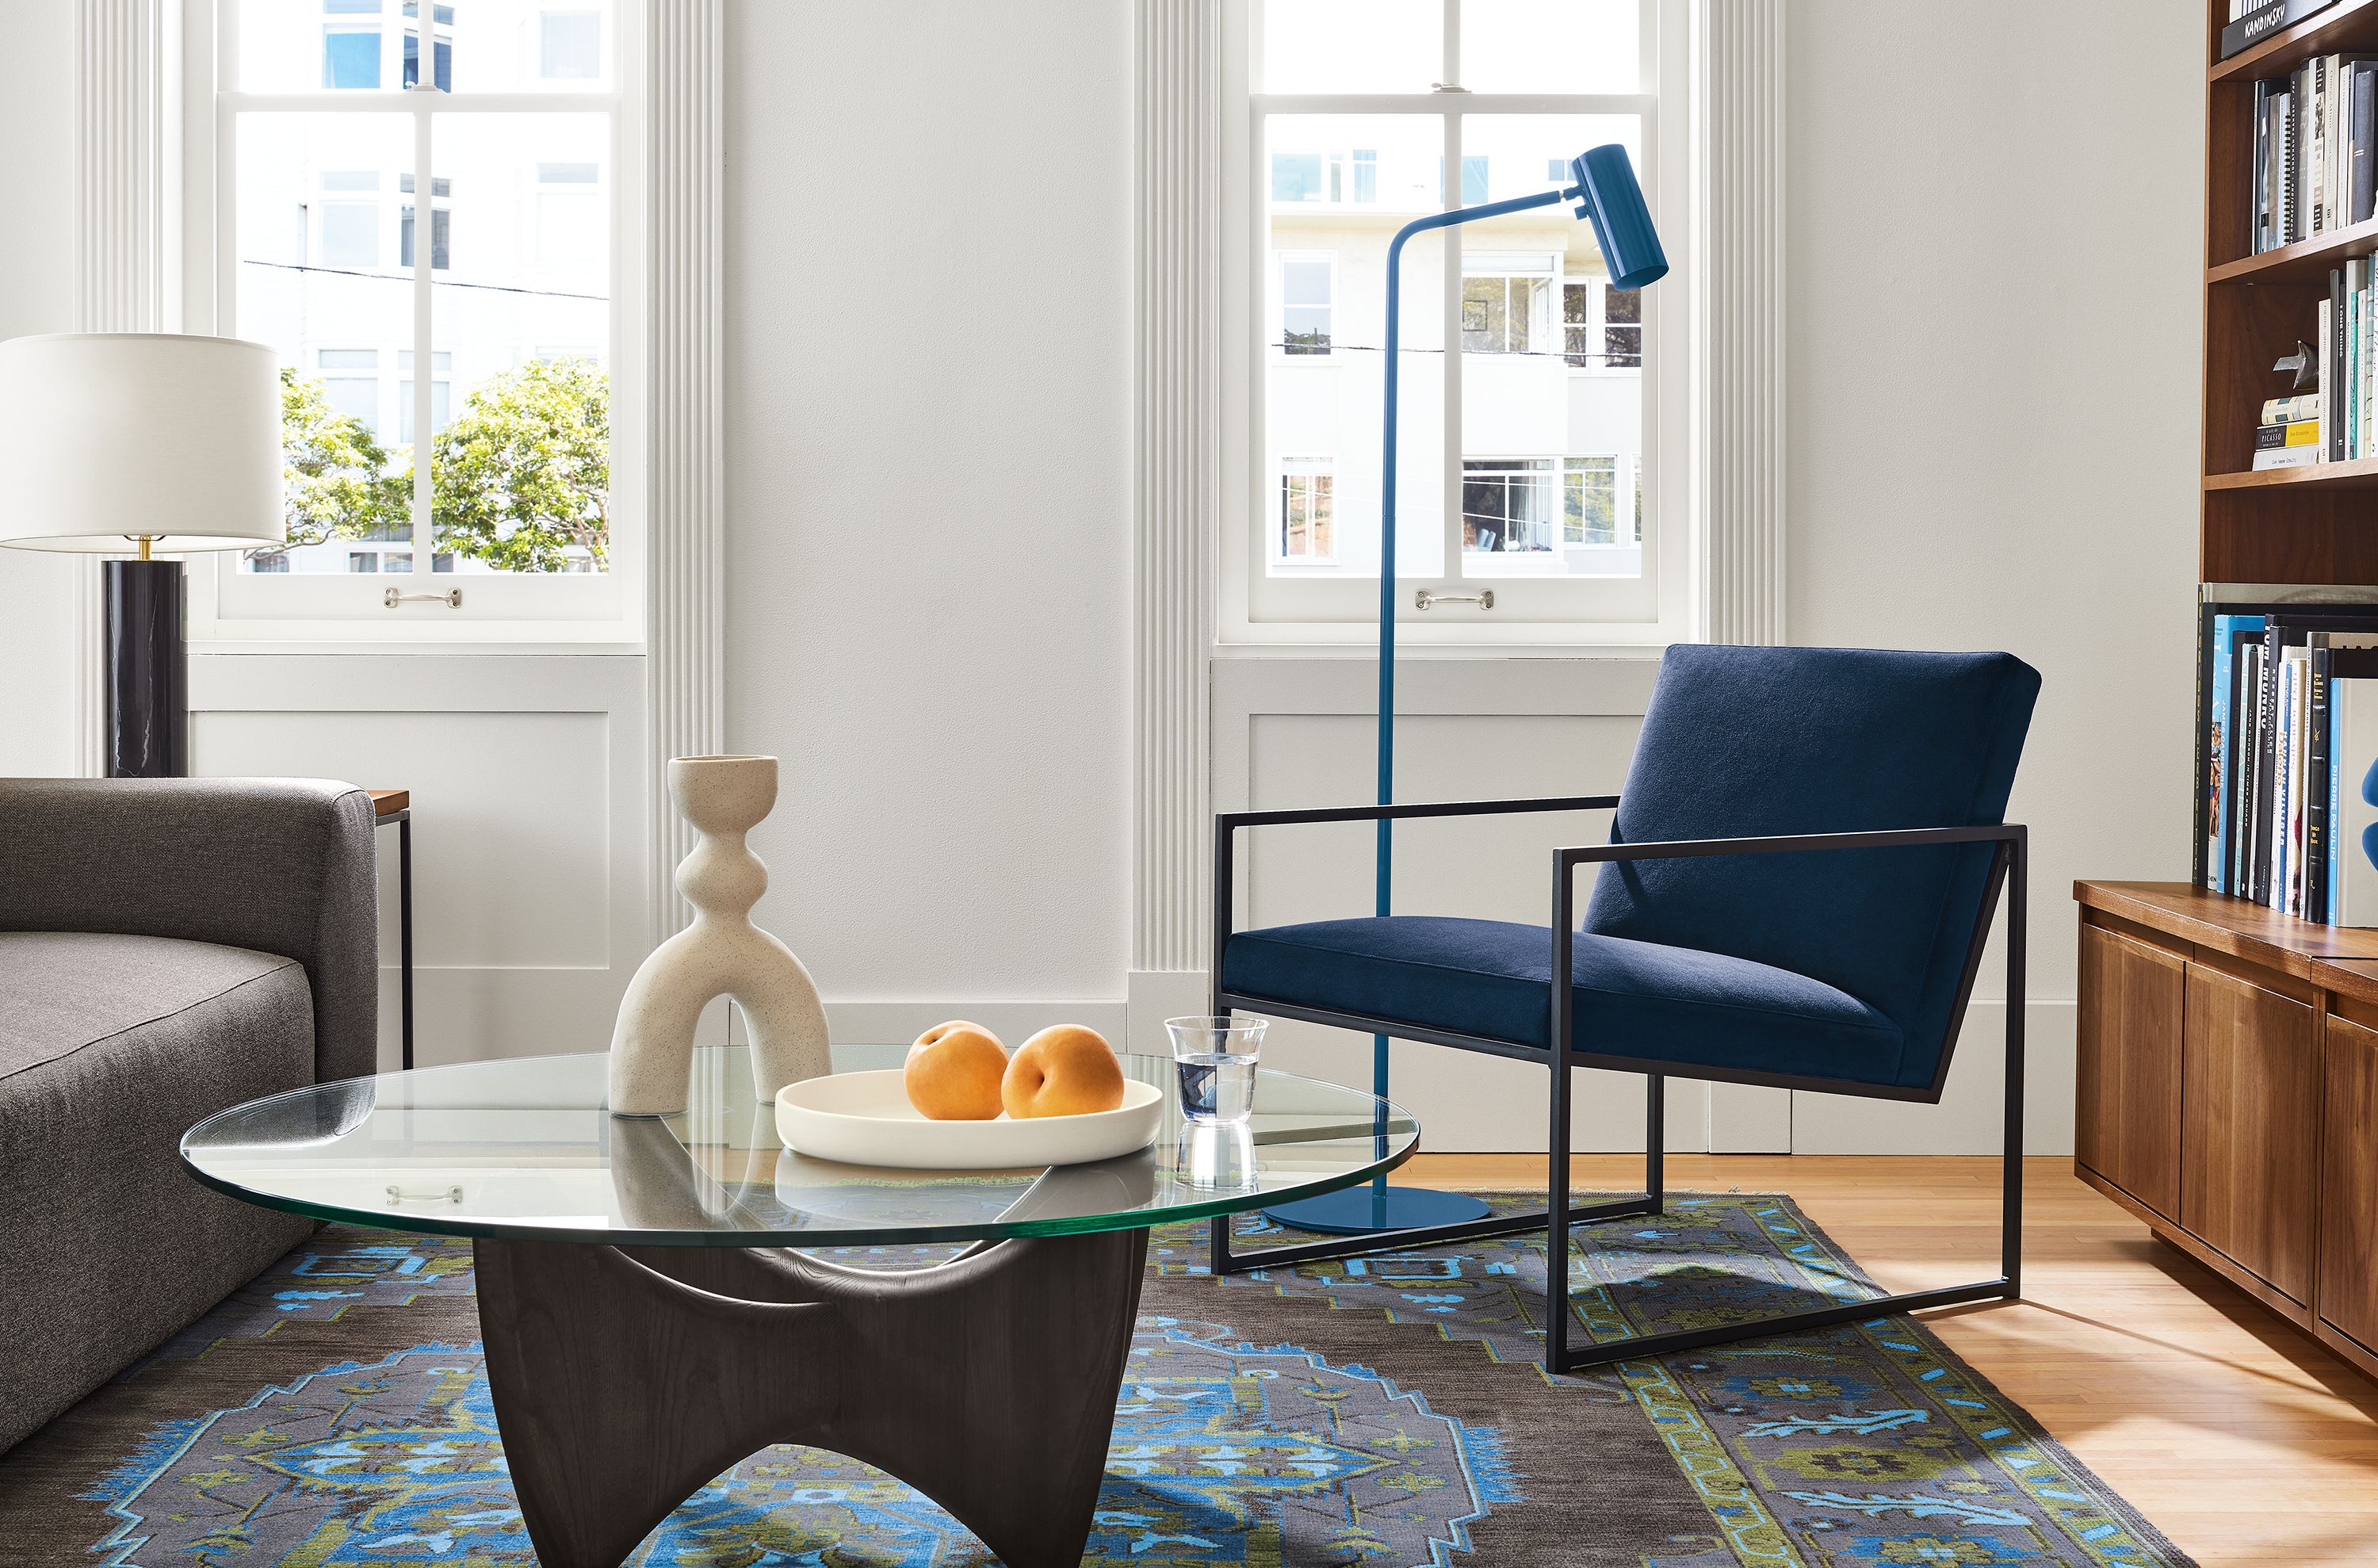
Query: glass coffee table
652	1311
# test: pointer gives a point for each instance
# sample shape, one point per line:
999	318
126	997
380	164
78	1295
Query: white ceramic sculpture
722	953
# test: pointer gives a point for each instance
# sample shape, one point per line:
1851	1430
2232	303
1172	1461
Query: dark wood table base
625	1379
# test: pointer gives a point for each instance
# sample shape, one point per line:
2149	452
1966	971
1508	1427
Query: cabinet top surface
2231	925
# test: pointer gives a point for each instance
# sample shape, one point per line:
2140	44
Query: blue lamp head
1610	199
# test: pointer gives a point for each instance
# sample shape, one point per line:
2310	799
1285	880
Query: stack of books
2313	134
2288	728
2251	21
2290	433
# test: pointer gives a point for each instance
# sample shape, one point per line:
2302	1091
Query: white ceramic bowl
864	1118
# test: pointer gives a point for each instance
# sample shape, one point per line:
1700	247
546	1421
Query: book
2231	634
2271	438
2361	130
2301	408
2275	16
2353	795
2287	457
2332	358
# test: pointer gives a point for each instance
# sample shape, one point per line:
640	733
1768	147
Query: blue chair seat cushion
1634	999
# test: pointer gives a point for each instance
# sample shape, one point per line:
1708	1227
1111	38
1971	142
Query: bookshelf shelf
2361	476
2307	263
2348	24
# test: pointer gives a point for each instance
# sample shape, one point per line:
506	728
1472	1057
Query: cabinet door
2349	1246
2128	1111
2249	1138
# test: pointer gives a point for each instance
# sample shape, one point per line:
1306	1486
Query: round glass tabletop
525	1149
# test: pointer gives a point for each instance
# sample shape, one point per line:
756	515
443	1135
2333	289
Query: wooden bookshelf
2316	527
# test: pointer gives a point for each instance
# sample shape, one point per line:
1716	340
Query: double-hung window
1531	407
417	203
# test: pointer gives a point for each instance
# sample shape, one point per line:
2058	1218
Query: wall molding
127	224
1740	120
685	607
1177	476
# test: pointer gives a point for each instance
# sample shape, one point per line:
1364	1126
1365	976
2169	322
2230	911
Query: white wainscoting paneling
529	801
1967	1119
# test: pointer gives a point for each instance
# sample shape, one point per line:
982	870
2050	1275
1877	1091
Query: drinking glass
1217	1060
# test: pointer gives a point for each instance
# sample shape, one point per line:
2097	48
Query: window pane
1551	46
569	45
1325	330
521	463
473	45
1352	45
1549	411
314	219
351	57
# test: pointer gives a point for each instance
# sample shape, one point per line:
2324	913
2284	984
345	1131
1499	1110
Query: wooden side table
396	806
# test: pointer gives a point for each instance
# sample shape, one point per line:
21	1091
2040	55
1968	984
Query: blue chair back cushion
1745	741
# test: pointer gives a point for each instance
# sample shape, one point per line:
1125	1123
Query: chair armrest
1789	843
277	865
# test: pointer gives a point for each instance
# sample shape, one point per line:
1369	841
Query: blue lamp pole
1609	198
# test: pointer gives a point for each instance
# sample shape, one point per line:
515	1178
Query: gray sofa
167	948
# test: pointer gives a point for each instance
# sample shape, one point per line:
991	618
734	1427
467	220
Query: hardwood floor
2241	1439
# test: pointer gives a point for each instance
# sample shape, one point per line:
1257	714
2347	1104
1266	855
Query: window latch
1423	599
452	598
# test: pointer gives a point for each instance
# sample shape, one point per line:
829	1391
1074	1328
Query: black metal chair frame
2009	871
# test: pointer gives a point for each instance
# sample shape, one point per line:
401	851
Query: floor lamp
141	444
1608	196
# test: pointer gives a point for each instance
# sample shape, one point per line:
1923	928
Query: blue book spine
2228	748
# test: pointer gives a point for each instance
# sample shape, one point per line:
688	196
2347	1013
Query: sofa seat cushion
61	991
1632	999
110	1047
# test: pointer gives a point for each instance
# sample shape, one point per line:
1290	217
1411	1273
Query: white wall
1996	240
929	471
1994	336
37	294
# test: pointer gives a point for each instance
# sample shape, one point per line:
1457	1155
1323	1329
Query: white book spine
2283	711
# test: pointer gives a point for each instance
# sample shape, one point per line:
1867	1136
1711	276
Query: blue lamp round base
1360	1211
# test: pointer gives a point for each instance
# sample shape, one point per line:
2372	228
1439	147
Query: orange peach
1064	1071
953	1073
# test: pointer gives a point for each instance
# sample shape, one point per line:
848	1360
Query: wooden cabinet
2227	1094
2249	1127
2349	1209
2128	1125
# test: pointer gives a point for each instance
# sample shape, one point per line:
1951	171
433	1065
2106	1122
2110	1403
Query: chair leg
1655	1140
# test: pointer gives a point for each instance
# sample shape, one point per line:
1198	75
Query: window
350	209
441	225
1506	505
496	463
1305	503
1511	466
1602	327
441	42
569	45
570	216
1307	284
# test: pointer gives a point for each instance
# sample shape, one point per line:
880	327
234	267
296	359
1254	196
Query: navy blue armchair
1804	867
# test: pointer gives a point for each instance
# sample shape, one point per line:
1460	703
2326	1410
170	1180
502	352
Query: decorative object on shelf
864	1118
721	954
146	444
1609	198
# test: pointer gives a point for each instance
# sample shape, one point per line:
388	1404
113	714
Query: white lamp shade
105	437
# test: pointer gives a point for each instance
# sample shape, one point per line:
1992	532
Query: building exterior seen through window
1544	387
499	455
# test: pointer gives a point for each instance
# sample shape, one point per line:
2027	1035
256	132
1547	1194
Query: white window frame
228	607
1260	608
1595	326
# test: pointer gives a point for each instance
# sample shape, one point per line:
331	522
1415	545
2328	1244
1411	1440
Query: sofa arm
278	865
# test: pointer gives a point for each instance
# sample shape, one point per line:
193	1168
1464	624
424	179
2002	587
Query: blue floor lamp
1608	196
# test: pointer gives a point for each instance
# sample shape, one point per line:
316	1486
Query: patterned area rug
1383	1411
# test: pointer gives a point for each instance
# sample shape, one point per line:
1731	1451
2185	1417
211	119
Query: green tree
337	483
524	473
